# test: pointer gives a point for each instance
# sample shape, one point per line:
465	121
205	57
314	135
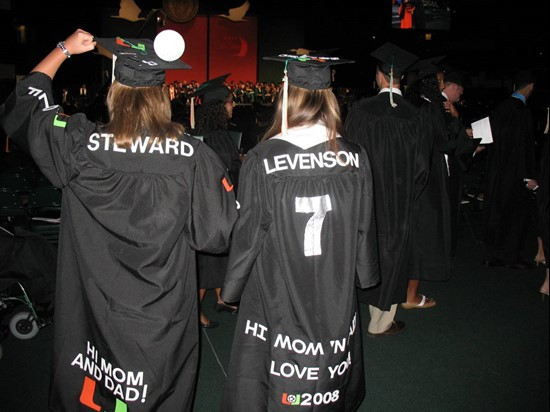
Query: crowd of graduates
244	92
376	210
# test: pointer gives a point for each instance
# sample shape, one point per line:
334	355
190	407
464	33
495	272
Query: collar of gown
394	90
305	136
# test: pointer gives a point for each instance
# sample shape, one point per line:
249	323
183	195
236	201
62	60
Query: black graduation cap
393	57
426	67
456	76
210	91
137	64
309	72
213	89
523	78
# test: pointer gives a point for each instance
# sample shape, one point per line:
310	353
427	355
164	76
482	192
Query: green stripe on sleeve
59	123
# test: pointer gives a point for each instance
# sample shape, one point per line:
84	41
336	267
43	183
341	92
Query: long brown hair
138	111
307	107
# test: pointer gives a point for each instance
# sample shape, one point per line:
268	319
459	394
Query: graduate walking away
510	178
138	196
431	227
304	239
213	119
390	129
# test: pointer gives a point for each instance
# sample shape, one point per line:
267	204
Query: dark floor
483	348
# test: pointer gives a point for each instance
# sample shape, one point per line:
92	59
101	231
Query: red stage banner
228	47
195	35
233	48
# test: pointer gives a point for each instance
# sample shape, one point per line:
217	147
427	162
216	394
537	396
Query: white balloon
169	45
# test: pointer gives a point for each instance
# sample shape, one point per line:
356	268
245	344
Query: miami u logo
126	43
87	398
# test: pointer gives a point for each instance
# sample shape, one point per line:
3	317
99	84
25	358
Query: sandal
425	303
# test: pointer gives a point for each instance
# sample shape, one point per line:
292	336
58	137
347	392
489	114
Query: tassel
113	69
284	125
192	113
391	89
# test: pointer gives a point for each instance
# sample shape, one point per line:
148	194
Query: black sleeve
367	269
32	120
250	230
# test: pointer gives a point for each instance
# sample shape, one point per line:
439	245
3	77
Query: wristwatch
61	45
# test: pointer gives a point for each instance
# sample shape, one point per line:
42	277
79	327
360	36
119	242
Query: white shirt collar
445	95
305	136
394	90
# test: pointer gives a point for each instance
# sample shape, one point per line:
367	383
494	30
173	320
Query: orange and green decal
120	41
87	397
87	394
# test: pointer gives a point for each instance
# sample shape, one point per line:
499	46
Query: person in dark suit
510	178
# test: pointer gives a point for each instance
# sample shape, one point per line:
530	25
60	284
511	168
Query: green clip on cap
309	72
137	64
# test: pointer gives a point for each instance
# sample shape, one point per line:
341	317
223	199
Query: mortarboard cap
306	72
456	76
425	67
137	64
309	72
523	78
213	89
393	57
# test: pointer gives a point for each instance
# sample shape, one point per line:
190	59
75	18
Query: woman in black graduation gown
431	224
138	196
212	124
305	237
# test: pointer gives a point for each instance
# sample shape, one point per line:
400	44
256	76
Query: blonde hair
307	107
140	111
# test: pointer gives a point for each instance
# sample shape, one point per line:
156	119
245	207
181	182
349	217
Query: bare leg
412	292
544	288
539	258
221	302
415	299
204	319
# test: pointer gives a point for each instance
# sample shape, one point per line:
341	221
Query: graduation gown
431	231
212	267
542	198
221	142
126	320
399	154
510	159
304	238
460	150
